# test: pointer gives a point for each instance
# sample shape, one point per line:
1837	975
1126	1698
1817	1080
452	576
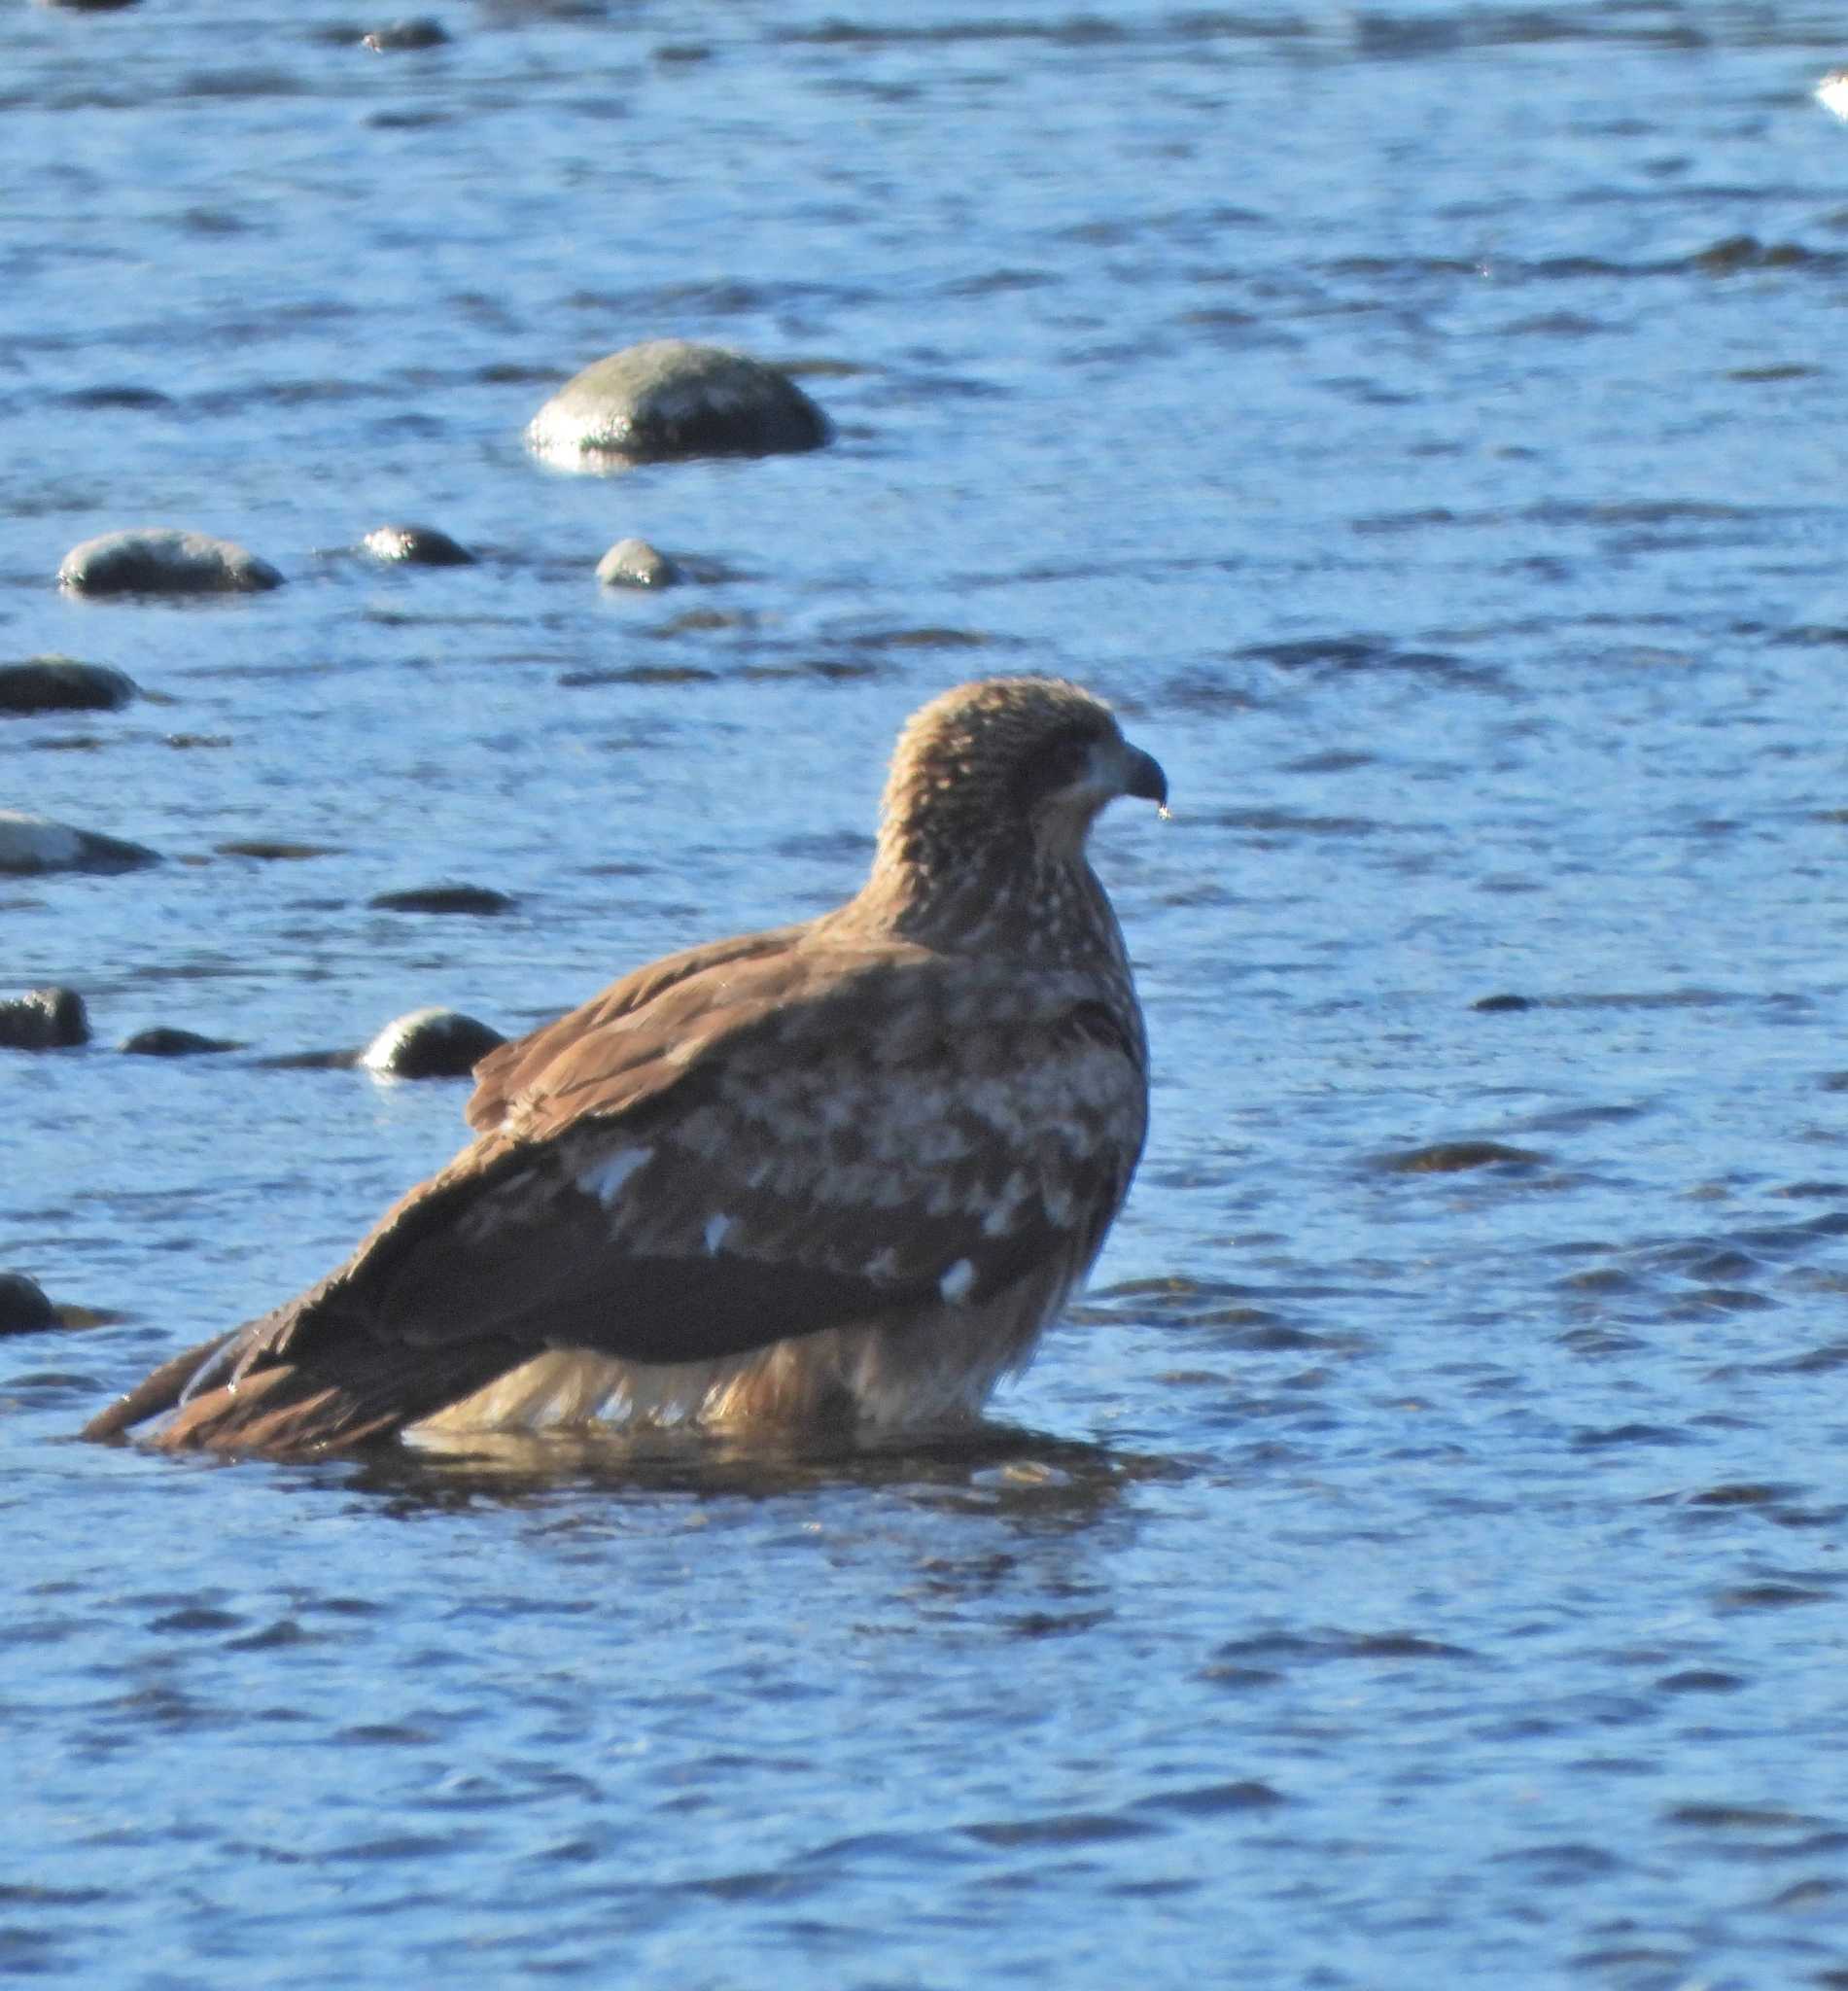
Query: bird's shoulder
525	1062
767	1008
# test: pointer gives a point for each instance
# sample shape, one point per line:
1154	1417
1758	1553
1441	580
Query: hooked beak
1142	777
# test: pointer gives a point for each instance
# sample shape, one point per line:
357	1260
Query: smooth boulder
25	1308
669	398
31	844
163	560
430	1043
167	1040
44	1020
415	545
60	683
634	563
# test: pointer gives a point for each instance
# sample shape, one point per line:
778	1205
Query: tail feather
341	1388
155	1393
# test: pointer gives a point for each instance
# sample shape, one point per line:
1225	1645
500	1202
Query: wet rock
24	1305
415	545
59	684
430	1043
309	1061
634	563
1502	1005
44	1020
272	850
421	33
163	560
35	843
162	1040
1454	1157
443	898
1734	253
668	399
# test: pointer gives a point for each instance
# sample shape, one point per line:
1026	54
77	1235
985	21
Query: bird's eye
1065	761
1053	765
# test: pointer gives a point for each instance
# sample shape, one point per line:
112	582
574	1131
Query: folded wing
767	1139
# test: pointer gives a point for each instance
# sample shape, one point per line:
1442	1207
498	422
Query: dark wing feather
773	1141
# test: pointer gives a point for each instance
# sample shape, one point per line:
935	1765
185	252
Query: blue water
1423	423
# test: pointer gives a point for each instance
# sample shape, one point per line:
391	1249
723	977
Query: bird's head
1021	765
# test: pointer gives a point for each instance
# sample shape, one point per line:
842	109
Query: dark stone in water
421	33
416	545
274	849
163	560
1503	1005
634	563
23	1307
44	1020
30	843
668	399
1746	252
443	898
430	1043
59	684
162	1040
1452	1157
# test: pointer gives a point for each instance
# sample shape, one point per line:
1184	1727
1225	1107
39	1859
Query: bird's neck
1022	906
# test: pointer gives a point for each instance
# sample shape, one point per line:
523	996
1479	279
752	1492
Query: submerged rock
44	1020
35	843
421	33
634	563
415	545
24	1305
1454	1157
443	898
163	560
669	398
162	1040
430	1043
60	683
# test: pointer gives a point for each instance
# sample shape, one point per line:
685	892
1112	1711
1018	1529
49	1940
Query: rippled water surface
1419	1560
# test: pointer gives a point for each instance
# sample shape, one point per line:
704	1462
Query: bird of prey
835	1175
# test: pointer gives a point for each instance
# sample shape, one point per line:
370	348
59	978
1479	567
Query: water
1425	424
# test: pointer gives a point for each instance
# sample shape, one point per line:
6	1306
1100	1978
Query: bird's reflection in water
992	1468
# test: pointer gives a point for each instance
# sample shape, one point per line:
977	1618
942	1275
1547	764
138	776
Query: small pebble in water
634	563
164	1040
421	33
415	545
